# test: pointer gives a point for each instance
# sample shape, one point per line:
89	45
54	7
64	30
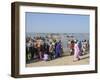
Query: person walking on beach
76	51
84	47
80	48
72	47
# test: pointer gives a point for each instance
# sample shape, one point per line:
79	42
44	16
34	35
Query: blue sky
56	23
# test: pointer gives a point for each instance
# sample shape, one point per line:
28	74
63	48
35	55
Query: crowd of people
78	48
43	48
48	48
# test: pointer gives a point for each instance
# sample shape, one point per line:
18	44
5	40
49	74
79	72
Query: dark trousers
51	55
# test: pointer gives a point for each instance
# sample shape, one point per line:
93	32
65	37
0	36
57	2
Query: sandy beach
64	60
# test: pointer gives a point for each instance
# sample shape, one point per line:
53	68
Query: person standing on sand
76	51
39	48
51	55
58	49
45	51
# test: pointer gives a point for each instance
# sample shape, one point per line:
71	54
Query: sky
56	23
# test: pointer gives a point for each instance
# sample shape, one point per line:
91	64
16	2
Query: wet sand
65	60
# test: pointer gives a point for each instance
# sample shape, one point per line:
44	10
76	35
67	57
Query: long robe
76	52
58	50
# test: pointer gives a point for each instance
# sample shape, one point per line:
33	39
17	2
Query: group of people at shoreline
48	48
43	48
78	48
